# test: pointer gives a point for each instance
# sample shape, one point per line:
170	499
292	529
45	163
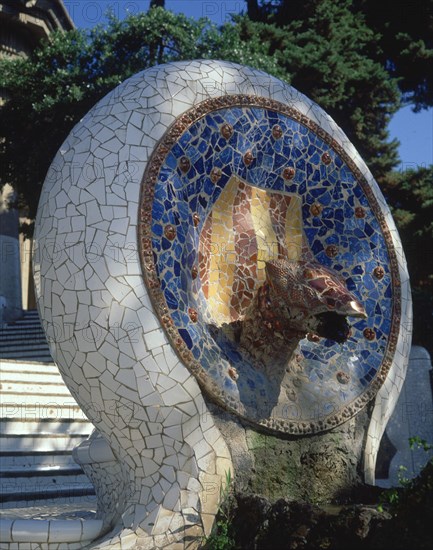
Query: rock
256	523
318	468
411	525
251	513
365	518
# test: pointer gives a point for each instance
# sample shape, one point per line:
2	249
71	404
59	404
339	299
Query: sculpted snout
310	297
353	308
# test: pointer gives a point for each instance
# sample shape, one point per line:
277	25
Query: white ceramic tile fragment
29	530
6	530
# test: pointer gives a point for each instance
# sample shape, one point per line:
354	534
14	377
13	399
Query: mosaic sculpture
298	300
207	235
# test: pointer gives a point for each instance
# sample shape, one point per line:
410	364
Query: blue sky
413	130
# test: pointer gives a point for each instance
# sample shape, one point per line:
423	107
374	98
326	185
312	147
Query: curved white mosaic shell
102	328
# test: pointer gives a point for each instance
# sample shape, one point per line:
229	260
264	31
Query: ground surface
254	523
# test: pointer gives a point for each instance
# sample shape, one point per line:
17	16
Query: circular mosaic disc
238	181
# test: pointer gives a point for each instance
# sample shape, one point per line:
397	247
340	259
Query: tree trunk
157	4
253	9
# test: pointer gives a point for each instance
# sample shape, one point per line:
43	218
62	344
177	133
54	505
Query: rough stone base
254	523
258	525
319	468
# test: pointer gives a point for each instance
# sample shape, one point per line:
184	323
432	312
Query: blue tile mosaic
339	227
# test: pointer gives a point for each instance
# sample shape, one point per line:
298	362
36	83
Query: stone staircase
40	424
24	340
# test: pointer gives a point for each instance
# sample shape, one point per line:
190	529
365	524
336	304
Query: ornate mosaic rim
213	391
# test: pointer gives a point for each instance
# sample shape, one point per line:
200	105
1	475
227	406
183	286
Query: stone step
15	480
82	502
24	350
31	328
42	356
28	367
25	339
23	412
40	424
14	334
40	470
28	387
21	344
42	509
28	335
24	378
29	314
35	459
31	426
11	331
38	483
46	442
25	333
49	410
43	492
60	398
24	321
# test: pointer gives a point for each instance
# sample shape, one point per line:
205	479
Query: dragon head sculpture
298	299
308	297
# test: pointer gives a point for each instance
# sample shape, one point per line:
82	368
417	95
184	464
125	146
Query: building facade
23	24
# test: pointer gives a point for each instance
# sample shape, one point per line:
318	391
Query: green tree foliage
406	44
403	31
410	195
52	89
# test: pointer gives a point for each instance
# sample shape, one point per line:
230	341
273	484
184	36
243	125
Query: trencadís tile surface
179	174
